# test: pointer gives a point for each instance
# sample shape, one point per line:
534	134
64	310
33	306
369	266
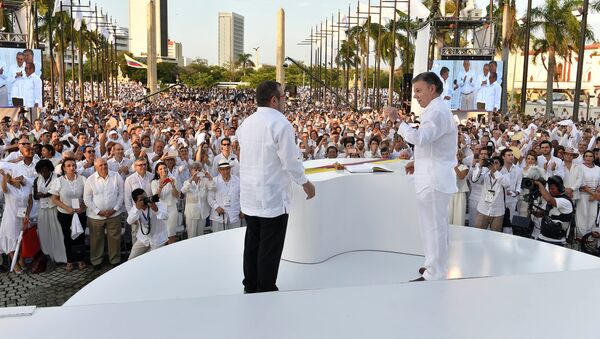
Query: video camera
530	185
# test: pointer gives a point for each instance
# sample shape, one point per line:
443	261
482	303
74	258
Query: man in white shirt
141	178
118	163
467	83
103	196
149	218
268	167
513	177
435	143
224	200
492	94
86	167
483	81
226	154
447	93
32	88
16	79
490	209
551	164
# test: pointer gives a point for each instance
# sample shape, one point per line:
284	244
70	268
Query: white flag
66	6
77	20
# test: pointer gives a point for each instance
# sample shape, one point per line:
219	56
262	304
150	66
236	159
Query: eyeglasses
226	144
141	165
24	143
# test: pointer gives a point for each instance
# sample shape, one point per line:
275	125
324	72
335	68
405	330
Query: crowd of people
96	170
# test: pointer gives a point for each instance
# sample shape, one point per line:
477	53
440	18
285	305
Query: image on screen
14	82
468	86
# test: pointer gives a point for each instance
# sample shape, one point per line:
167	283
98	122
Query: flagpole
62	54
51	48
73	53
97	54
80	63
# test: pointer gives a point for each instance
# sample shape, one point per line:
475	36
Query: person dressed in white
16	80
150	217
167	188
467	83
573	175
551	164
492	94
269	165
196	191
103	196
513	178
4	84
32	88
118	163
16	196
457	207
141	178
228	155
587	205
435	180
224	200
447	93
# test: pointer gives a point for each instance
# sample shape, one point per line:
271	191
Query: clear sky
194	22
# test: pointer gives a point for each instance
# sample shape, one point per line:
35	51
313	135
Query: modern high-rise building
176	52
231	37
138	28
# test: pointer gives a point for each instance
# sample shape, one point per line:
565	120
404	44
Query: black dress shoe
422	270
418	279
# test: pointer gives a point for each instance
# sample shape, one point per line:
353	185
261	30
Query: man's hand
153	206
220	211
410	168
309	189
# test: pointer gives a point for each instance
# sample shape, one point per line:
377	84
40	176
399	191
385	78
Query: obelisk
279	71
151	54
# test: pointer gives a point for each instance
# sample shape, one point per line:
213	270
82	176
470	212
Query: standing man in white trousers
435	143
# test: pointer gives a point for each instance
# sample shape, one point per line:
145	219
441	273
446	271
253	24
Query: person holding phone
167	189
196	190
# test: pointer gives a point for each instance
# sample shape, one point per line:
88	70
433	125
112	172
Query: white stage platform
500	286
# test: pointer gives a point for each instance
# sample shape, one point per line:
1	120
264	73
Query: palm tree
360	39
347	58
244	61
561	32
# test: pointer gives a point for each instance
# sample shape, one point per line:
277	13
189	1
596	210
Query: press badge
489	196
75	204
227	201
21	212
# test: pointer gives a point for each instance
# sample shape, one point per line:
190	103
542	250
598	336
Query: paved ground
51	288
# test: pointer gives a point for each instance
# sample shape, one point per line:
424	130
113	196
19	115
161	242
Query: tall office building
138	28
176	52
231	37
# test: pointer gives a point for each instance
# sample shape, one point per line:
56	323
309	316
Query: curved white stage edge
509	287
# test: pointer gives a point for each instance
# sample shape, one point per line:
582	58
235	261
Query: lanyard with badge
226	197
490	194
145	224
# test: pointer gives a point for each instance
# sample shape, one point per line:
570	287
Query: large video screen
14	82
469	84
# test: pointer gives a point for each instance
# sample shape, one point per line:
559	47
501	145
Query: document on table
367	168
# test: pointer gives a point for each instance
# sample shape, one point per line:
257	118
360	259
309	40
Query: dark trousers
262	252
75	248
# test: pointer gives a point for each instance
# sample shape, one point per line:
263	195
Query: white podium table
353	212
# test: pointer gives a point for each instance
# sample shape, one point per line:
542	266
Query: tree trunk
505	53
362	80
391	81
549	82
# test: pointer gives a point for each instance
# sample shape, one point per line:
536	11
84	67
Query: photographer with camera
150	217
556	214
491	206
